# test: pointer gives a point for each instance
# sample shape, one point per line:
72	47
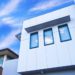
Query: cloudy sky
13	12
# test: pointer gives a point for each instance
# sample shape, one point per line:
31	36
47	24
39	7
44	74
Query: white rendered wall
56	55
10	67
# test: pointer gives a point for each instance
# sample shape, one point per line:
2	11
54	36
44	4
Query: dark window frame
37	40
61	26
48	29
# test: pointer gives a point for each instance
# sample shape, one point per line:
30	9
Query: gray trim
18	36
48	24
49	70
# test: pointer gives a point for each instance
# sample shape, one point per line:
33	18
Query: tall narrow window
48	37
64	33
34	41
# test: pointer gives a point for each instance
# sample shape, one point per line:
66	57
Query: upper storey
43	41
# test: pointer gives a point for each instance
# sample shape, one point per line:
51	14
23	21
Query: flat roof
58	21
9	53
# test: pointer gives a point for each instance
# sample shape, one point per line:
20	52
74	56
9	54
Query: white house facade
8	62
48	44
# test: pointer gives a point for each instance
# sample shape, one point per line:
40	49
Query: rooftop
9	53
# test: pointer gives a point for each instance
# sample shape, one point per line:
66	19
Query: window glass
1	60
64	33
34	41
48	36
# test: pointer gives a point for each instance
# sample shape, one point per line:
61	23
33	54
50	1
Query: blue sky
13	12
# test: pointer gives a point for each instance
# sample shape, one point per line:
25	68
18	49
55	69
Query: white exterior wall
10	67
50	56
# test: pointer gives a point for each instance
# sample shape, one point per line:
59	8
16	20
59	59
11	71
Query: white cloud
13	22
6	10
10	39
9	7
8	20
48	40
47	4
5	19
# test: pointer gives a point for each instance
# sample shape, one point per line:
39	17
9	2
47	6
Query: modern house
48	43
8	62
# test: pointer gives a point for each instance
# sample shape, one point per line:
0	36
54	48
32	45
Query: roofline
49	70
1	50
18	36
51	23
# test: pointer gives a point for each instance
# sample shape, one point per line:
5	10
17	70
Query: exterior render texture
48	44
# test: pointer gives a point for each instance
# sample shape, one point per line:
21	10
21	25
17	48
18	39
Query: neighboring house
48	44
7	59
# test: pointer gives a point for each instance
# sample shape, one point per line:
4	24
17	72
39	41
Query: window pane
34	40
1	60
48	37
64	33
